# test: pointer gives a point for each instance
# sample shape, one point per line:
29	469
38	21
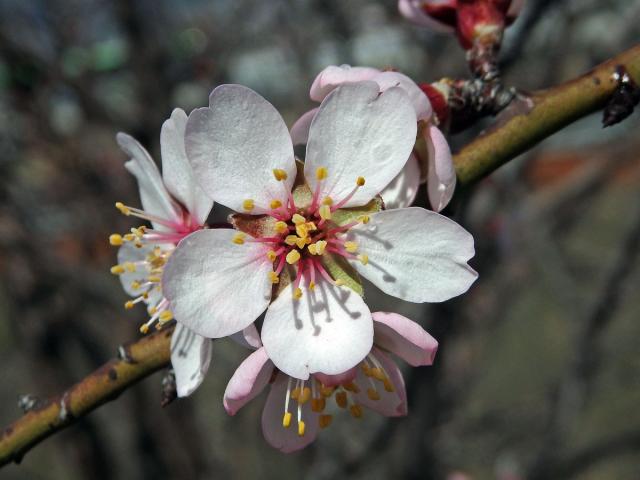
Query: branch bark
135	361
530	119
526	122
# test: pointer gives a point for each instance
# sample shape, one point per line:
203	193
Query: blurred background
538	370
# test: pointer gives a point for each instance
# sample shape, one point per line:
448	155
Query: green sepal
340	269
343	216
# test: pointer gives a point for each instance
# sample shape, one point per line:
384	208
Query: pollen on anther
123	208
351	247
297	294
271	255
248	204
117	270
116	240
325	212
166	316
293	256
327	201
341	399
324	420
360	181
373	394
286	420
238	238
279	174
364	219
273	277
128	304
144	328
356	411
364	259
297	219
305	395
321	173
275	204
281	227
301	428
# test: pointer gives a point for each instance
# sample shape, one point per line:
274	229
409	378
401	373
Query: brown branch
526	122
530	119
135	361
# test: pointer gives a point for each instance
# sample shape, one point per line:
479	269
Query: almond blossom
296	409
437	169
306	231
175	206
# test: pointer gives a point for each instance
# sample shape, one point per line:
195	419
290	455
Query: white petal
235	144
402	190
248	338
334	76
214	286
176	170
190	358
418	98
328	330
130	253
404	338
287	440
441	175
154	196
300	129
415	254
358	132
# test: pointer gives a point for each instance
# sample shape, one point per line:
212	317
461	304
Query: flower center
348	394
304	235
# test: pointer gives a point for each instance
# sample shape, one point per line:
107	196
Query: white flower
304	235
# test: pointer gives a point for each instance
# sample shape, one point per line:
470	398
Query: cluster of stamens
344	394
154	261
304	235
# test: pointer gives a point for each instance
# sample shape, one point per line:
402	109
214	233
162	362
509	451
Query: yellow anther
238	238
364	259
302	241
281	227
295	393
327	201
366	369
373	394
341	399
152	310
351	247
129	237
135	285
293	256
360	181
248	204
321	173
312	285
128	304
123	208
377	374
301	427
117	270
326	391
271	255
356	411
116	240
129	266
286	420
388	386
318	404
154	279
275	204
305	395
312	249
311	226
324	421
145	295
297	294
291	239
351	387
325	212
364	219
302	230
144	328
339	282
279	174
166	316
273	277
321	245
297	219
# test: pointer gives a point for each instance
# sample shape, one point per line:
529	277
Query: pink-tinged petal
328	330
190	358
402	190
441	175
404	338
412	11
339	379
300	129
235	144
358	132
248	338
248	381
333	76
154	196
216	287
390	404
284	439
419	99
415	254
176	170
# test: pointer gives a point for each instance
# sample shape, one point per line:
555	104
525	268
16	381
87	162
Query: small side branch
135	361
